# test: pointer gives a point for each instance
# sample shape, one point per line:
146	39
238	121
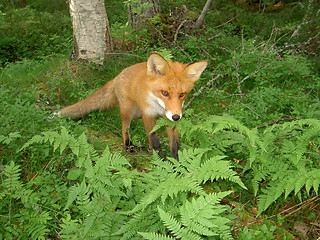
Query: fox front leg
149	123
173	136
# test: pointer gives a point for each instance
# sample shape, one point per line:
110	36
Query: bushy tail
103	98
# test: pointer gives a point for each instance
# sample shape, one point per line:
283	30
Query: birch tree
91	31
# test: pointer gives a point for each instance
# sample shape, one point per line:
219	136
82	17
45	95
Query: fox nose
175	117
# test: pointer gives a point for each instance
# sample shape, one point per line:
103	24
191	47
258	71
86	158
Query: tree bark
139	10
23	3
203	14
91	31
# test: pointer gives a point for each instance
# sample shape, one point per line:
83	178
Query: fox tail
102	99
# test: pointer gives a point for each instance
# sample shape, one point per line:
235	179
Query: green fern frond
155	236
163	122
232	127
191	158
12	181
8	139
81	193
216	124
170	222
70	229
293	182
176	227
202	215
171	187
270	195
111	159
214	169
36	228
141	220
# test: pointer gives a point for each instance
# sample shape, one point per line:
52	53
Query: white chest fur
156	106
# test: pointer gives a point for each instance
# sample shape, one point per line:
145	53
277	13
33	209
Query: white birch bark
90	30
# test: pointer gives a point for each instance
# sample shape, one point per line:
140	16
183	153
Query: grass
32	89
50	84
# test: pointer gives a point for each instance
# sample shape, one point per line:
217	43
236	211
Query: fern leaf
80	192
37	226
12	181
316	183
170	222
215	168
8	139
175	227
155	236
202	215
34	139
271	195
171	187
294	182
65	139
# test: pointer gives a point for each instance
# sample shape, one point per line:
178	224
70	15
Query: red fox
147	90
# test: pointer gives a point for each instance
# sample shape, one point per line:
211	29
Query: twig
304	21
172	43
255	72
277	121
201	90
291	210
297	207
230	20
177	32
206	52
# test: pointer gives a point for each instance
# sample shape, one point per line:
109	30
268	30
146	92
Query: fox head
170	83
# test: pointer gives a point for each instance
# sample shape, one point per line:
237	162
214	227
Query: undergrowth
249	161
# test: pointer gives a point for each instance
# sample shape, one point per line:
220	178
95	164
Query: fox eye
164	93
182	94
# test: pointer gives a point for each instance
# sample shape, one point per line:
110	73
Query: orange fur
147	90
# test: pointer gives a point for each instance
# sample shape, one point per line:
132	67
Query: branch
201	90
277	121
203	14
176	34
304	21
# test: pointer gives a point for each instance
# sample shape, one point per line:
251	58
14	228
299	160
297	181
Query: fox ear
157	65
194	70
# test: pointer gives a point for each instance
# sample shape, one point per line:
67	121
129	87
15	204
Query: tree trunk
139	10
91	30
203	14
23	3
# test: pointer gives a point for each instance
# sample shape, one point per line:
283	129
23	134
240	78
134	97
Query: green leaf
75	173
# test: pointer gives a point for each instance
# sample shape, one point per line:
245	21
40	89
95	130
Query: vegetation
249	161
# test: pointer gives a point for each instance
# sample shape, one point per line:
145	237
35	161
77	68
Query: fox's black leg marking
128	144
155	144
174	149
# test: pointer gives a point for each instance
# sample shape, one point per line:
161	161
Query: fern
37	228
19	204
214	169
203	215
294	181
289	162
155	236
11	184
62	140
176	227
171	187
11	137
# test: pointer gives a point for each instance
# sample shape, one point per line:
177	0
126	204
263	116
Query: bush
27	33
